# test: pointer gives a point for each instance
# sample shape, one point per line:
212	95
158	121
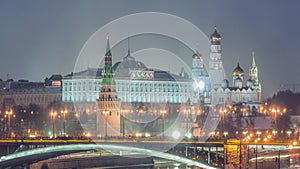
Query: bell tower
216	70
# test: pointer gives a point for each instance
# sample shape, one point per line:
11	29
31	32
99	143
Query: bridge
37	154
212	154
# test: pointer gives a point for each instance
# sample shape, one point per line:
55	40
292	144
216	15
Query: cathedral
241	90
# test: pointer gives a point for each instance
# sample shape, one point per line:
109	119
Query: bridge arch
39	154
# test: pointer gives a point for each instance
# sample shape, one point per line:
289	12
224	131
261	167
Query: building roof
56	77
31	90
89	72
238	71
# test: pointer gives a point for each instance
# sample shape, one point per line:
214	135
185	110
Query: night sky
39	38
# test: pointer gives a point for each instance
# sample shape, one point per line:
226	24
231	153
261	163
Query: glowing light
294	143
189	135
225	133
147	135
200	85
138	134
176	134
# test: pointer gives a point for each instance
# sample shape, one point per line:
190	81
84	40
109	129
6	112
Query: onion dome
238	82
225	83
197	56
249	83
238	71
215	38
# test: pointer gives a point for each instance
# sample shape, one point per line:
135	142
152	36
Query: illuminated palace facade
134	83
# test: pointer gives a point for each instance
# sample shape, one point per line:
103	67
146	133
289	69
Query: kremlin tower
108	119
253	74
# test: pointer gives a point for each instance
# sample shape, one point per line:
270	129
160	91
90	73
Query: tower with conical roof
253	74
108	119
216	71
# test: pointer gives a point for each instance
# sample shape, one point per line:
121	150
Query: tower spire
253	59
128	45
108	71
108	51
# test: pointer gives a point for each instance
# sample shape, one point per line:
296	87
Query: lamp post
124	111
255	154
64	112
21	127
105	113
223	113
278	159
140	111
8	114
53	115
163	113
186	112
276	112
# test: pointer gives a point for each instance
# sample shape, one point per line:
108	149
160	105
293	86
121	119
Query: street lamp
163	113
53	114
21	127
105	113
8	114
64	112
124	111
140	111
277	111
255	153
186	112
223	113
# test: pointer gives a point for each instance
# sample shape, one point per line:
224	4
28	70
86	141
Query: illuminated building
136	83
24	93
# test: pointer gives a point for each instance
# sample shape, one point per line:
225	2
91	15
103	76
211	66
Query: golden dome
215	38
197	56
238	71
